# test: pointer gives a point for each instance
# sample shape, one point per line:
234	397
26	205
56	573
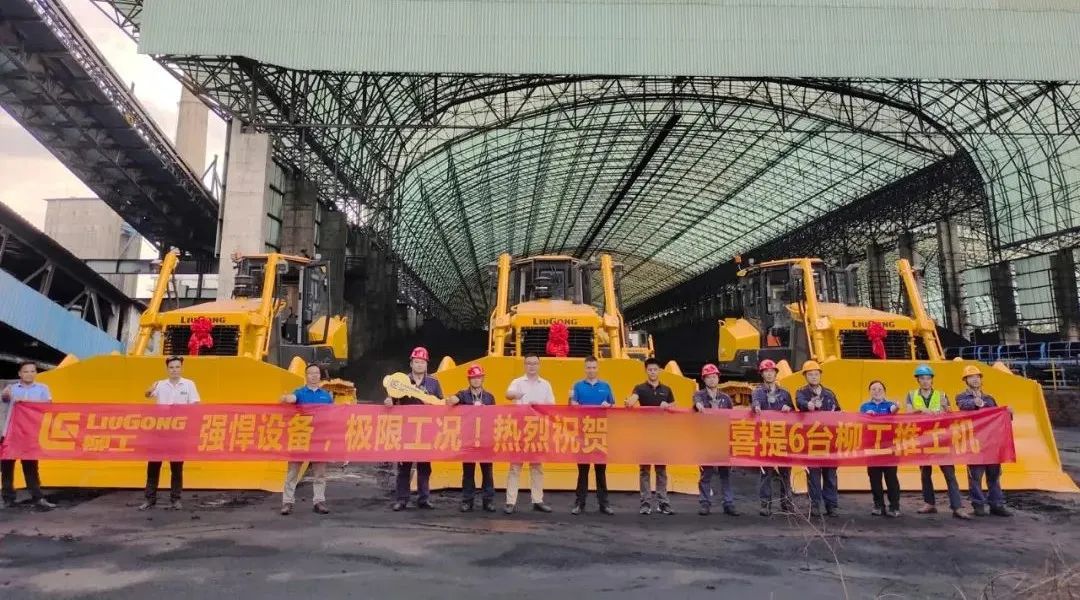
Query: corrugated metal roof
42	319
1007	39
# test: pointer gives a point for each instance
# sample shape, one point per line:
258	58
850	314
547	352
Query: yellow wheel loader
799	309
531	294
263	337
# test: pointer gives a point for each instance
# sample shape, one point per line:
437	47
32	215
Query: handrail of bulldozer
611	306
810	312
266	306
924	325
502	290
149	317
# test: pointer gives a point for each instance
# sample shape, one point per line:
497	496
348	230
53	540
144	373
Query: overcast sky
29	173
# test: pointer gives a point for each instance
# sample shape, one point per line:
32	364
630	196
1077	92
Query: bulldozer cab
550	278
301	288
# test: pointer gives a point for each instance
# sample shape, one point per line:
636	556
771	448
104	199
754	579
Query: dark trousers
781	475
30	474
468	483
992	473
949	471
583	484
821	485
423	481
153	476
892	484
705	488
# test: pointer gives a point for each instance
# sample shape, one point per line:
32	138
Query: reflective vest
918	403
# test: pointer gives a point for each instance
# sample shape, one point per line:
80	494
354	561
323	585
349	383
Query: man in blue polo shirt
592	391
310	393
24	390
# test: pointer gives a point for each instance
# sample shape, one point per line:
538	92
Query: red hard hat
709	369
419	352
766	364
475	371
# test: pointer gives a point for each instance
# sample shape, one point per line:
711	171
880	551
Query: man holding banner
530	388
418	364
974	398
173	390
592	391
24	390
711	398
310	393
655	394
769	397
476	395
927	400
821	482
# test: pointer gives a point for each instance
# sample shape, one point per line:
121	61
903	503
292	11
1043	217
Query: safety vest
918	403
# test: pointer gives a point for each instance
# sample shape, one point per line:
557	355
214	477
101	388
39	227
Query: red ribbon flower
876	333
558	344
200	335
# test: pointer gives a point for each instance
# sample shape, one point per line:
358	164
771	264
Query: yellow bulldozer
800	309
531	294
276	322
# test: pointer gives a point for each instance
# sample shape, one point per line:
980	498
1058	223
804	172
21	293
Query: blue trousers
468	482
768	475
993	483
705	485
423	479
949	471
821	483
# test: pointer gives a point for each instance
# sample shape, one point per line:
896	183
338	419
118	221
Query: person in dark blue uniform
475	395
821	481
418	364
708	398
770	396
974	398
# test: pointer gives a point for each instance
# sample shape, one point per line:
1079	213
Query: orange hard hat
419	352
969	371
811	365
766	365
475	371
709	369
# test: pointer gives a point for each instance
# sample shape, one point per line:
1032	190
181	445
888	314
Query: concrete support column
877	277
244	207
905	247
1066	301
299	216
1002	286
333	240
949	249
191	123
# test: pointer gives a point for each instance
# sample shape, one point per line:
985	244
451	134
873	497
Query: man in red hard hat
418	364
475	395
710	397
770	396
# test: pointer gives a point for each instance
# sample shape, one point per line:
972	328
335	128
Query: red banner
553	434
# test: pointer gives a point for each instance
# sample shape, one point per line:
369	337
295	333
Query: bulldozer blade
1038	464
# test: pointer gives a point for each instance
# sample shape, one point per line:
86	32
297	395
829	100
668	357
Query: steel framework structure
673	175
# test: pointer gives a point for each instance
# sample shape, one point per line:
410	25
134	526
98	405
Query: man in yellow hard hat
973	398
821	481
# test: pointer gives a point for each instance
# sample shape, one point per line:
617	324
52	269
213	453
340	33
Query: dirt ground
226	545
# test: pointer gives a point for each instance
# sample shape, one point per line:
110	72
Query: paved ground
236	546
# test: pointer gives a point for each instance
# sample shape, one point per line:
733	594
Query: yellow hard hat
969	371
811	365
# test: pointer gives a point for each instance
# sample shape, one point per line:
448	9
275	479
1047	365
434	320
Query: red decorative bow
200	335
876	333
558	344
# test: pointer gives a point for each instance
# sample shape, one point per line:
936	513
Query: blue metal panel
23	308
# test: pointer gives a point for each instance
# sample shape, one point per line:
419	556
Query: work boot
489	506
665	509
878	511
43	504
787	505
147	505
830	511
960	514
645	509
980	511
397	506
176	505
607	510
577	509
508	509
425	505
815	512
730	511
1000	511
541	507
466	507
703	511
286	509
927	509
766	508
320	508
7	504
893	513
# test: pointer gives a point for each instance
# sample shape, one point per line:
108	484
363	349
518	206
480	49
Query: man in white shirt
172	390
528	389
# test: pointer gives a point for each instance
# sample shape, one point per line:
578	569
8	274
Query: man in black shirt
655	394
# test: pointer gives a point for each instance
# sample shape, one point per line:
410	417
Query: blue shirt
306	395
592	394
879	408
